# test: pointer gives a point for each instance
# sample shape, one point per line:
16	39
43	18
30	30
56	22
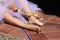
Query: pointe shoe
35	19
32	19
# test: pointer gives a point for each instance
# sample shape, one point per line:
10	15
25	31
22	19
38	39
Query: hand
13	8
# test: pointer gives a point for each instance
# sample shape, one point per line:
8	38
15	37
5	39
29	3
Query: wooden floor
48	32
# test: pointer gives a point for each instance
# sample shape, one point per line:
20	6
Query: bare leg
10	19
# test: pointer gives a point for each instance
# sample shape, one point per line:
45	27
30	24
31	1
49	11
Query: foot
33	19
33	27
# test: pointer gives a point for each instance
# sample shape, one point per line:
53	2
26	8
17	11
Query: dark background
48	6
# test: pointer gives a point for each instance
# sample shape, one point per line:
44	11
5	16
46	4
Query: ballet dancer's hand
13	8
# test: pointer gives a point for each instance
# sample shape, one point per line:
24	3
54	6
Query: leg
10	19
